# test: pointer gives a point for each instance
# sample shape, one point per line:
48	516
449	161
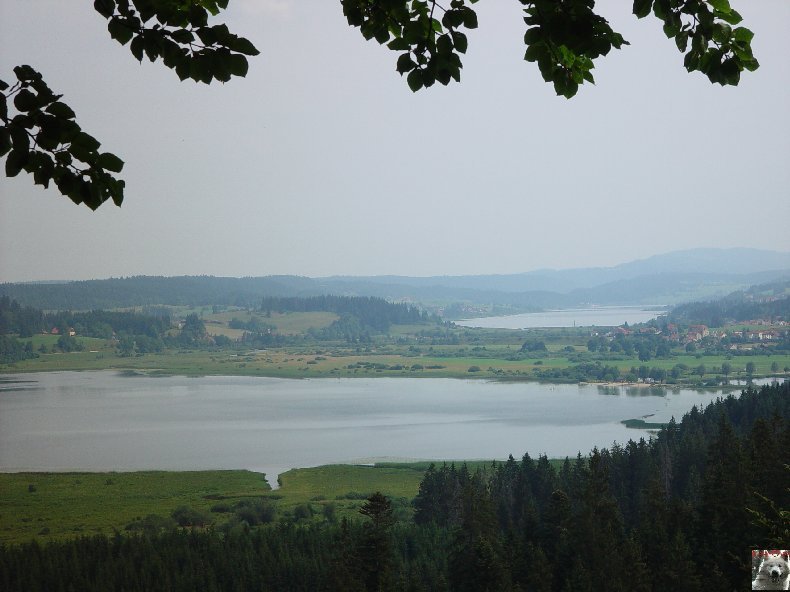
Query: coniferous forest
678	512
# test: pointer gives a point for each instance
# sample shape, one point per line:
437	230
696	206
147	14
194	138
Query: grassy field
61	505
392	361
52	506
56	506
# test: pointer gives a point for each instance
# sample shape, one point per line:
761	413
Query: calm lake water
602	316
105	421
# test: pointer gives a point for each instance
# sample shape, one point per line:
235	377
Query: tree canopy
39	133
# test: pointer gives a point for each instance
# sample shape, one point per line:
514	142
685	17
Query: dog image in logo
774	571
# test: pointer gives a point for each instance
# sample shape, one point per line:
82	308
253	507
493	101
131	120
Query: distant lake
601	316
102	421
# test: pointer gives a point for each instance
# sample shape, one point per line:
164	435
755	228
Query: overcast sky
323	162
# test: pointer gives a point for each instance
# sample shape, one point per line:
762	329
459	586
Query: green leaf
722	32
61	110
5	141
242	45
444	45
720	5
533	35
26	73
567	57
682	40
25	101
237	65
731	72
743	34
42	174
470	18
414	80
405	64
207	35
642	8
106	8
65	180
15	161
183	69
453	19
459	41
49	136
182	36
151	45
671	29
731	17
398	44
110	162
382	35
84	146
119	31
751	65
116	191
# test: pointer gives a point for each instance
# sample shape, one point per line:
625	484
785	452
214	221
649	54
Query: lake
600	316
102	421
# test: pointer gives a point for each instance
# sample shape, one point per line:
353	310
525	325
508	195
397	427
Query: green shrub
254	512
186	516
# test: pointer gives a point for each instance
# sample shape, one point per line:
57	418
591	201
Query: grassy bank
495	361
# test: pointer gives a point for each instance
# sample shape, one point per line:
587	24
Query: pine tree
724	519
376	552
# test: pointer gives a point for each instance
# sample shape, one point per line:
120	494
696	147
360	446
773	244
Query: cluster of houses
55	331
696	333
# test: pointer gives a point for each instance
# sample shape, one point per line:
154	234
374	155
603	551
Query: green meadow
497	362
53	506
57	506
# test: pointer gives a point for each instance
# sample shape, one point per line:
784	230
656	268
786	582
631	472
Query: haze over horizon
322	162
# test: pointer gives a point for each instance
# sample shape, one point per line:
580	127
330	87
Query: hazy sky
323	162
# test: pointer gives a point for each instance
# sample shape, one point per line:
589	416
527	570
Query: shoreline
261	373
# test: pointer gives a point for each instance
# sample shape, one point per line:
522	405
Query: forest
732	309
680	511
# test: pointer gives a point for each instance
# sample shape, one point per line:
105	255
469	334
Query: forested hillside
672	278
680	512
148	290
772	304
153	330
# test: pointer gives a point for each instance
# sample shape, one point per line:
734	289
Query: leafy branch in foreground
43	139
430	46
181	36
563	37
717	50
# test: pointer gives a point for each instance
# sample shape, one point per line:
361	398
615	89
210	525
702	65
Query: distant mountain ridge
671	278
735	261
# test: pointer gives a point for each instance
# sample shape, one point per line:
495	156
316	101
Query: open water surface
103	421
599	316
